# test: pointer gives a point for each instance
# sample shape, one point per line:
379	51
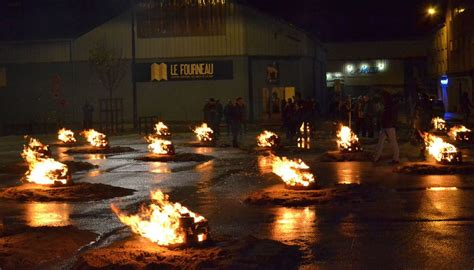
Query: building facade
174	64
451	56
359	68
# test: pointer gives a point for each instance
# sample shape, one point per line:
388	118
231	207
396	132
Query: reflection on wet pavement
47	214
420	222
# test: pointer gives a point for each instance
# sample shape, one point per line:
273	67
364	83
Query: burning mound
166	223
160	146
442	151
295	173
338	156
204	133
78	192
243	253
66	136
439	124
96	139
304	138
41	248
268	139
22	168
180	157
347	141
461	134
96	150
41	168
161	130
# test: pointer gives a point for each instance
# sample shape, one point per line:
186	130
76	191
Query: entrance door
272	103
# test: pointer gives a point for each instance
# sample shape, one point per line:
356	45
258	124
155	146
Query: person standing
389	118
466	106
219	114
236	120
369	116
88	111
227	115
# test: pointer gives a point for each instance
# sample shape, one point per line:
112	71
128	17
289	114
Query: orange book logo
159	72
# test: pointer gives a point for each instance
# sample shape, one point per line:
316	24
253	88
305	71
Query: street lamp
431	11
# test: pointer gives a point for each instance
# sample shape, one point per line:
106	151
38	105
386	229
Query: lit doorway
272	103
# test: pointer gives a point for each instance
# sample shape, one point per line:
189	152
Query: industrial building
174	58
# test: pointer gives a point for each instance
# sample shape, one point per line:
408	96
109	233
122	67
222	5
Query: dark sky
345	20
331	20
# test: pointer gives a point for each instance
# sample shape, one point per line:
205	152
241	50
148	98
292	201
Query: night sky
330	20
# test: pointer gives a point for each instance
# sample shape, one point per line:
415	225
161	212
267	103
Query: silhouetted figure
88	112
236	114
466	106
227	115
389	118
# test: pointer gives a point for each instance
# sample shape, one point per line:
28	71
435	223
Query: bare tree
109	65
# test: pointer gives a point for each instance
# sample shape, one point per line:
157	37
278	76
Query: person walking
389	118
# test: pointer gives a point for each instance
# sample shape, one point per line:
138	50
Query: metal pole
350	112
134	84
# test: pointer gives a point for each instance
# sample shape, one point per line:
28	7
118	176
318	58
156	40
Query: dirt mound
207	144
96	150
180	157
61	144
246	253
33	248
77	192
21	168
338	156
435	169
279	195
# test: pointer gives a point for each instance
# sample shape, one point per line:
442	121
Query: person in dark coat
88	111
220	113
466	106
389	118
236	121
227	115
289	118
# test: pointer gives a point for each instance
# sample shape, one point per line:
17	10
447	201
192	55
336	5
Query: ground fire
295	173
66	136
304	138
166	223
160	146
161	130
460	133
442	151
439	124
43	169
347	141
204	133
95	138
268	139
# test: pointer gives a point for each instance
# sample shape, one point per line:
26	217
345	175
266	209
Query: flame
292	172
41	168
161	129
159	146
203	133
160	221
439	123
267	139
453	132
304	139
66	136
346	138
438	148
95	138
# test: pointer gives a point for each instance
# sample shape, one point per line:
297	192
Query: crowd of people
233	114
295	112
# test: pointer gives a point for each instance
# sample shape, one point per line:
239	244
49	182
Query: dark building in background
184	56
451	56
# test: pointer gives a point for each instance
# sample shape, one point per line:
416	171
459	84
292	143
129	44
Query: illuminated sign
444	80
365	68
180	71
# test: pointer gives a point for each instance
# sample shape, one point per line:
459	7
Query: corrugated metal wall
34	52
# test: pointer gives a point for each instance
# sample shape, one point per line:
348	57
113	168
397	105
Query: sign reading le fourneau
182	71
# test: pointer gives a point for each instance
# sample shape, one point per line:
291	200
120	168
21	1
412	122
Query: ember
41	168
166	223
66	136
460	133
295	173
304	139
161	130
439	124
204	133
347	141
442	151
160	146
268	139
95	138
